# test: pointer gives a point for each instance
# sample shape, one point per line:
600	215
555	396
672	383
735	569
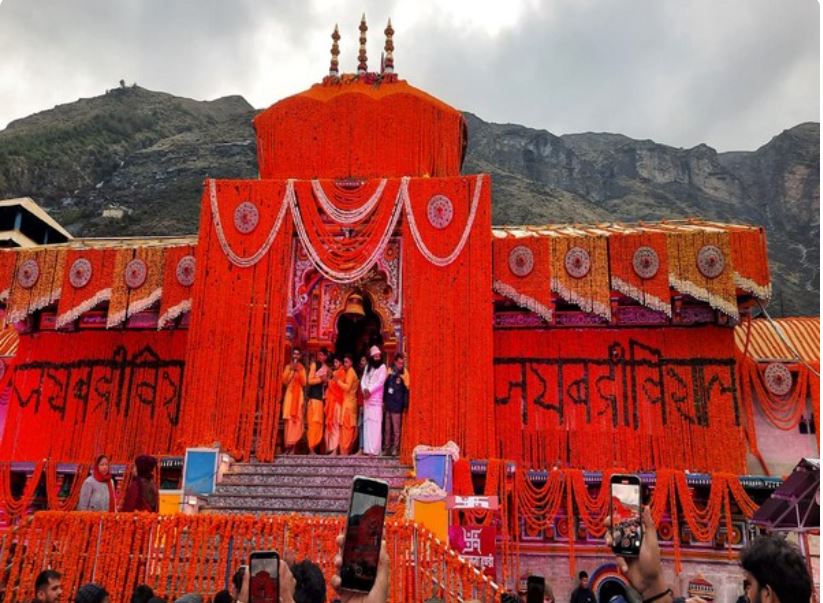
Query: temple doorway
358	328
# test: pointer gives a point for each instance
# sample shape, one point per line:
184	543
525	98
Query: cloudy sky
731	73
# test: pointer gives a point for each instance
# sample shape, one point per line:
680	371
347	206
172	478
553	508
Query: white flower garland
247	262
342	216
359	272
418	239
587	305
703	294
520	299
650	301
759	291
82	308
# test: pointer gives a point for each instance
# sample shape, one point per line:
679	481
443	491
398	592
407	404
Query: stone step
295	470
348	463
306	481
278	505
323	459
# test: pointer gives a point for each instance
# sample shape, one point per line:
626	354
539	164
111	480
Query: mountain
148	152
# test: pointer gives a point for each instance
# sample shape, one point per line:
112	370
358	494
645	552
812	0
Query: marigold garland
127	301
176	298
532	290
8	259
180	553
591	292
650	292
45	290
69	503
74	301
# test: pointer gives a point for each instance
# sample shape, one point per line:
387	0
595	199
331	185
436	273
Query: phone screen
627	531
264	582
364	533
535	589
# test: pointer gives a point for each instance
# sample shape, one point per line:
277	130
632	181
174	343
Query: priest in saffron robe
374	378
334	406
350	385
294	378
318	377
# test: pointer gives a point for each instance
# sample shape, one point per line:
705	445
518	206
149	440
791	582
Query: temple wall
781	450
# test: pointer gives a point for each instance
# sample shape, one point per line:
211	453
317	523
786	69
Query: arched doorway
355	334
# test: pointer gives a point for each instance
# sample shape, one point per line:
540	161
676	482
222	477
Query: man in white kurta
372	385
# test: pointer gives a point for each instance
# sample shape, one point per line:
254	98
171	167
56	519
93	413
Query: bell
354	307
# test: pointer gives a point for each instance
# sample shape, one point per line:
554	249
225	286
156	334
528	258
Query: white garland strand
172	313
82	308
247	262
587	305
418	239
647	299
359	272
702	294
763	292
342	216
522	300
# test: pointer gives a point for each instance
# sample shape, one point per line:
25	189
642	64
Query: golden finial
388	63
334	69
362	66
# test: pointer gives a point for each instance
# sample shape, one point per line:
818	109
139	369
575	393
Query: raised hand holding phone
264	577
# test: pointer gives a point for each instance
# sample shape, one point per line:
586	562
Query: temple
544	357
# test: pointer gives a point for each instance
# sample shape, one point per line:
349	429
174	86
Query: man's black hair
310	584
775	562
582	575
43	579
237	578
223	596
324	350
398	356
142	594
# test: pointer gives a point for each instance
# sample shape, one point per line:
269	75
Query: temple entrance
358	328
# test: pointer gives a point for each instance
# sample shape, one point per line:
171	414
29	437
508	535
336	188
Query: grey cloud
729	73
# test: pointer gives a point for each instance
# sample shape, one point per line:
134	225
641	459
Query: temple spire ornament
334	67
388	62
362	59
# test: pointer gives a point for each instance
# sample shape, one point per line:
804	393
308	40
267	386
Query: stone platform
318	485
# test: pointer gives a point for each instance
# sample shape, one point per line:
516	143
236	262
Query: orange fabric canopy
802	332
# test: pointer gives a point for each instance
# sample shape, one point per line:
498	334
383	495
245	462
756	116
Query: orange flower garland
179	273
455	402
37	280
589	288
69	503
631	246
87	282
138	282
179	554
8	259
15	507
522	270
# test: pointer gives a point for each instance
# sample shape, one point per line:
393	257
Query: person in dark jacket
395	401
142	494
583	594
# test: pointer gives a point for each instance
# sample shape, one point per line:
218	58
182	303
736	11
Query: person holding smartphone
294	378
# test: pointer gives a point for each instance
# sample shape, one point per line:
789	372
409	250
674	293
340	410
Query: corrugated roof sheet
803	332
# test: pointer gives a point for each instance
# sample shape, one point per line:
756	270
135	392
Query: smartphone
627	527
264	578
535	589
364	533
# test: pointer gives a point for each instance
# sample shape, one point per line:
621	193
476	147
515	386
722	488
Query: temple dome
354	128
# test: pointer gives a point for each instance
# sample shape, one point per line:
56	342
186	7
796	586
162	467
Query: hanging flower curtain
8	259
178	278
580	270
638	262
522	270
37	281
87	282
700	265
750	261
137	283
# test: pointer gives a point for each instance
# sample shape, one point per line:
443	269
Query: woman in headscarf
97	491
142	494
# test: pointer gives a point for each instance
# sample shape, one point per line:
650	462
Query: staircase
318	485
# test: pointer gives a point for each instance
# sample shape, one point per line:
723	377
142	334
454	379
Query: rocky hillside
148	153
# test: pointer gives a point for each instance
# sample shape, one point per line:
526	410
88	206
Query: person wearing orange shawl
350	385
318	377
294	378
334	407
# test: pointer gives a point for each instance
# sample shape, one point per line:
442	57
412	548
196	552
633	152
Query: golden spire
362	59
388	64
334	69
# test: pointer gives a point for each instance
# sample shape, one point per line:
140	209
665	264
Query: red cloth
141	495
105	479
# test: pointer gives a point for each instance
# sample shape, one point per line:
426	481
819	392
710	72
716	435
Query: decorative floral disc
185	271
135	274
28	274
521	261
578	263
778	379
710	261
246	217
645	262
440	211
80	273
